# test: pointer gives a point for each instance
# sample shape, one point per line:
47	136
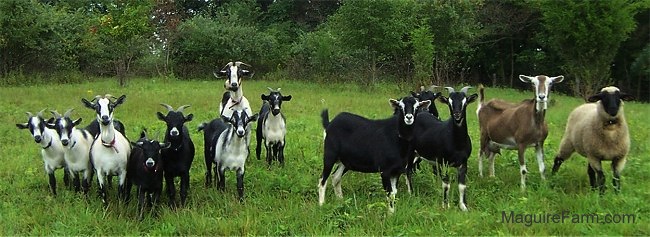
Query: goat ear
161	116
525	78
626	97
443	99
87	103
594	98
557	79
472	98
424	104
50	125
50	120
77	122
414	94
22	125
165	145
394	103
246	73
119	101
225	119
253	118
436	95
143	134
286	98
264	97
221	73
189	117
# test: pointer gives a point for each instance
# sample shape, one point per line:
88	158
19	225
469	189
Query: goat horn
96	97
169	107
55	113
109	96
279	89
180	109
67	113
464	90
270	89
227	65
241	63
432	87
40	113
450	89
421	88
29	114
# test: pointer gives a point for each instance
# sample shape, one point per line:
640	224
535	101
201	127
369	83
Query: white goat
51	149
76	143
598	131
110	150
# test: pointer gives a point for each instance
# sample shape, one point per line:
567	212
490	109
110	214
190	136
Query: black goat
211	132
446	143
145	170
428	94
369	146
271	127
178	158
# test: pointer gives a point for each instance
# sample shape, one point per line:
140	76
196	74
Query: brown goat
515	126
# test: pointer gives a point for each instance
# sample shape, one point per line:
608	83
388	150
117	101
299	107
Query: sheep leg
557	163
462	173
539	151
617	167
522	165
599	176
171	190
52	180
185	186
592	177
240	184
336	180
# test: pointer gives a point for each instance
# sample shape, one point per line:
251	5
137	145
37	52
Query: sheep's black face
610	98
275	99
457	103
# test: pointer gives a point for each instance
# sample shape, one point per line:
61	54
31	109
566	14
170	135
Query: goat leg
185	186
141	200
462	198
171	191
76	182
66	176
52	180
240	184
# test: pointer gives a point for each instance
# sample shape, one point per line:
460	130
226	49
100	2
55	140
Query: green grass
283	201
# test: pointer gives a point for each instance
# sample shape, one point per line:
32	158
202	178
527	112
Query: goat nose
104	117
64	142
234	84
37	138
541	97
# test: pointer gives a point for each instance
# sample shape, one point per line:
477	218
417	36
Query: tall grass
283	201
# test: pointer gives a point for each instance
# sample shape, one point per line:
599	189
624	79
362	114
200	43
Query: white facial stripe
233	74
64	131
103	105
35	122
464	102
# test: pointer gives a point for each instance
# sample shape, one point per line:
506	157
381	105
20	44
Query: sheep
446	143
211	132
598	131
145	170
52	151
178	158
76	143
110	150
271	127
515	126
369	146
231	149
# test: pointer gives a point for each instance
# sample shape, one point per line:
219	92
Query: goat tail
325	117
481	93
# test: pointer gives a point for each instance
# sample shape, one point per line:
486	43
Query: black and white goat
76	143
233	99
446	143
211	132
51	149
231	149
178	158
271	127
145	170
111	149
369	146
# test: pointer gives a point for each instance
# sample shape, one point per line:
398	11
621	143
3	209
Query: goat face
35	124
542	86
151	150
239	121
407	106
275	99
457	103
233	73
63	126
610	98
175	121
104	107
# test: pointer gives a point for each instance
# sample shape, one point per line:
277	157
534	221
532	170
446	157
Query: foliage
583	33
423	52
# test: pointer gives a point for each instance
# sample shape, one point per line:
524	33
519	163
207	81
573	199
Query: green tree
21	26
585	34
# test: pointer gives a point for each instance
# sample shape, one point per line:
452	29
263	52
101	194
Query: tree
585	34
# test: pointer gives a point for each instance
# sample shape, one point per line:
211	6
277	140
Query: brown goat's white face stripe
542	86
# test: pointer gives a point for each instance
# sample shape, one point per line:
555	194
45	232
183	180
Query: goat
52	151
271	127
428	94
178	158
233	99
598	131
446	143
369	146
111	149
211	132
515	126
145	170
76	143
231	149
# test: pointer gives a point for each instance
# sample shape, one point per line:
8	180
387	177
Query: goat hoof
463	207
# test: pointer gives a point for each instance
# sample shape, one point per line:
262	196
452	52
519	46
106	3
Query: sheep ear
161	116
87	103
594	98
286	98
264	97
626	97
22	125
189	117
472	98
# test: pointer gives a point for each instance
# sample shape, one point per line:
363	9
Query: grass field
283	201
